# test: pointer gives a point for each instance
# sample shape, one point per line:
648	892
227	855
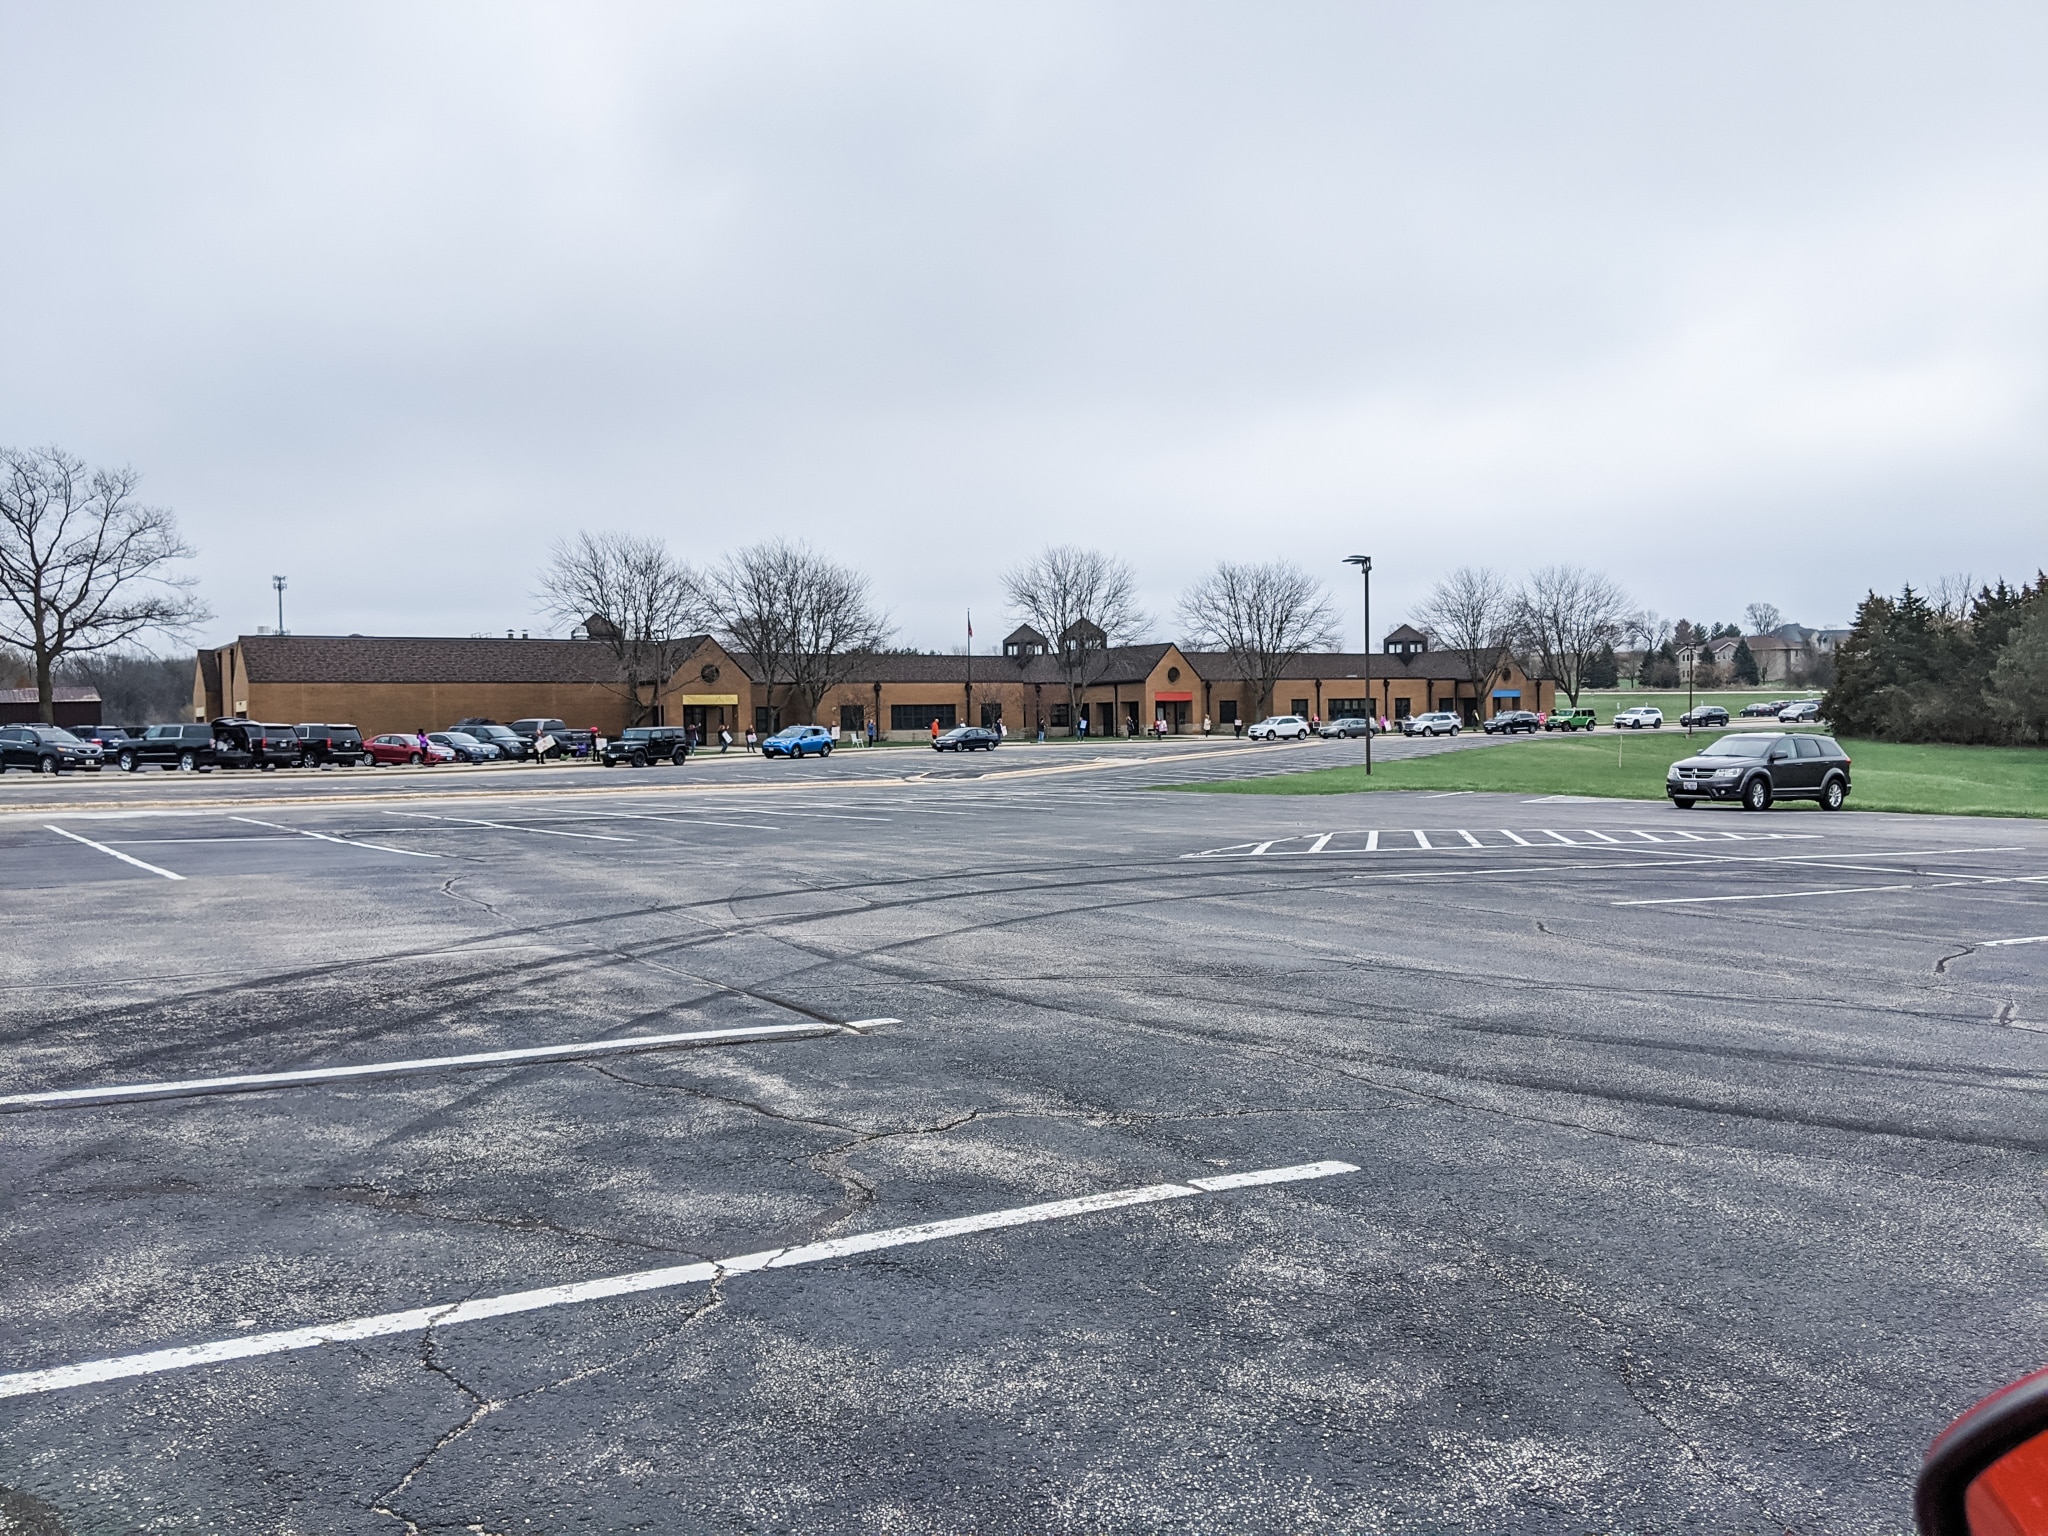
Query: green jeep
1571	720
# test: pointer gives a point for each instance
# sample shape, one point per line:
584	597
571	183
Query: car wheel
1682	804
413	758
128	762
46	765
1832	794
187	762
679	759
1756	794
825	750
639	759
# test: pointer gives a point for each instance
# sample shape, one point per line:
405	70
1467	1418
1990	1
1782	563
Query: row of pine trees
1975	671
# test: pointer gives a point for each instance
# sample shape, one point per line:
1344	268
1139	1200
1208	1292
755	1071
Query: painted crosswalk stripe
1513	838
450	1314
1422	839
1470	839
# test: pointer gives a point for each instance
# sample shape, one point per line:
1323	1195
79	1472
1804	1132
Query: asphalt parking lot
1053	1155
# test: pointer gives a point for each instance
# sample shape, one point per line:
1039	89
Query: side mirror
1987	1473
1780	755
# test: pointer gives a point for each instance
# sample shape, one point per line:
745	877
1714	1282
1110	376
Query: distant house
70	706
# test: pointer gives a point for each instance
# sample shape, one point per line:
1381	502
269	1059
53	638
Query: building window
1448	706
1404	707
1297	706
766	721
1350	709
919	717
992	713
1226	711
853	717
1060	717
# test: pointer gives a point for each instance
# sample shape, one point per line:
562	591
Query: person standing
935	728
724	741
750	738
426	749
1205	725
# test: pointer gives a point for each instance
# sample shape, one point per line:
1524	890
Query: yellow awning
710	698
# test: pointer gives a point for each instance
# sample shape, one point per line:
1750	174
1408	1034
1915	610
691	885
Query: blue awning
1507	693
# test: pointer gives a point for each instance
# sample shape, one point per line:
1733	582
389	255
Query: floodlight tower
1364	564
278	583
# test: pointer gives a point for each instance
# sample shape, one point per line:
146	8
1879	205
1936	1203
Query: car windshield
55	733
1739	746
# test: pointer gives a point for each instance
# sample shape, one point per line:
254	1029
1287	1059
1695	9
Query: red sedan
406	749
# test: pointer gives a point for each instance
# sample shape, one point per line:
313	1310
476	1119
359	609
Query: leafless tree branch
84	566
1263	616
1471	614
633	596
1564	615
804	619
1085	603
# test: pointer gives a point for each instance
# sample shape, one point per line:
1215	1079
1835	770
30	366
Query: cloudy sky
1736	302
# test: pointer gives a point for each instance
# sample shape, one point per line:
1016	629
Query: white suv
1280	728
1635	719
1438	722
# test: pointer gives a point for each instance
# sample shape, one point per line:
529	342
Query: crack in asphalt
483	1406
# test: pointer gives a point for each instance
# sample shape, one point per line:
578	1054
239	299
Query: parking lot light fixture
1364	564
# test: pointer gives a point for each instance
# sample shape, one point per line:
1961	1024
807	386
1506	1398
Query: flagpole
970	668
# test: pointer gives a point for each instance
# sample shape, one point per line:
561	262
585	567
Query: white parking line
1683	901
345	842
503	826
2039	938
1422	841
446	1314
115	853
190	1087
1519	841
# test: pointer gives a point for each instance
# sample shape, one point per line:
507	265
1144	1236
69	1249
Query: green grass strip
1628	765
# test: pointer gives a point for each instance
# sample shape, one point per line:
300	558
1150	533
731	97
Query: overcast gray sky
1737	302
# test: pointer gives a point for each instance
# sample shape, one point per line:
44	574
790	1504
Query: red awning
1174	698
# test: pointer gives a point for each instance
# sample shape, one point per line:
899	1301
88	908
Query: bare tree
1950	596
636	598
1471	614
1084	602
1263	616
84	566
1565	614
803	618
1762	618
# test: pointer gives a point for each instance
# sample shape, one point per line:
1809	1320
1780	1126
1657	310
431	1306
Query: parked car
254	744
404	747
799	741
467	748
328	744
1636	719
1349	726
45	749
185	747
643	744
1794	714
1280	728
1509	721
1767	711
966	738
1704	714
107	738
510	744
1759	767
1573	719
1437	722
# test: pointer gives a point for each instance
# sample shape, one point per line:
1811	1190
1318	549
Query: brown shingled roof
424	659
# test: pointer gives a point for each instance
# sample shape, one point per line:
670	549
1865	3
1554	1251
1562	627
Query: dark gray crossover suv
1757	768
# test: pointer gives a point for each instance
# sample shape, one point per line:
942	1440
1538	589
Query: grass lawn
1885	776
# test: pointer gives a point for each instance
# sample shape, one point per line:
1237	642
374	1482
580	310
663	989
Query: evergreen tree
1603	671
1743	665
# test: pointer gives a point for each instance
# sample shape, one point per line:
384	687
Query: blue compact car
799	741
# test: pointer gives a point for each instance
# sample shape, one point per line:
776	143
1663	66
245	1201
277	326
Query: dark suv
189	747
44	749
326	744
254	744
643	744
510	744
1761	767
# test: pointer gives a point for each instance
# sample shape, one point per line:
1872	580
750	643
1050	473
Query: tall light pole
278	582
1364	564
